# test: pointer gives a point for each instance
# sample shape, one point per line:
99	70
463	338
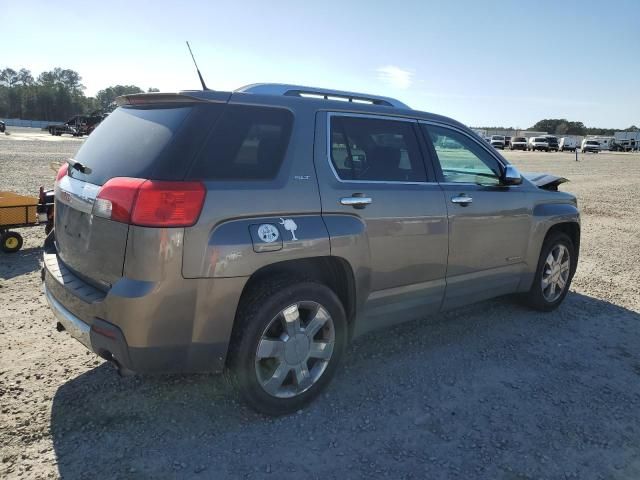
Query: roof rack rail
319	93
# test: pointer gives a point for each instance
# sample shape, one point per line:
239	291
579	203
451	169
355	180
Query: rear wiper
78	166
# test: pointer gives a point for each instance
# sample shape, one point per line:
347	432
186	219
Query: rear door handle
357	200
462	200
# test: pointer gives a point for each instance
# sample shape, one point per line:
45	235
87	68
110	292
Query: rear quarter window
247	143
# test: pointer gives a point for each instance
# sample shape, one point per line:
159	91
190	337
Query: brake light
168	204
62	171
116	199
150	203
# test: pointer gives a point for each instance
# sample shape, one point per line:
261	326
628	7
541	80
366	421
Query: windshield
540	139
498	137
591	142
519	139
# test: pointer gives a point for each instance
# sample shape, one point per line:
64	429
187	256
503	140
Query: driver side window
461	160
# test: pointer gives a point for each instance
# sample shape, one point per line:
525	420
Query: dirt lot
494	391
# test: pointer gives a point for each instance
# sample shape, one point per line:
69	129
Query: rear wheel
556	266
290	338
11	242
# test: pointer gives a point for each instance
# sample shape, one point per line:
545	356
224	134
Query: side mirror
511	176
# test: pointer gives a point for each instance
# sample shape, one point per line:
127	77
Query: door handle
462	200
357	200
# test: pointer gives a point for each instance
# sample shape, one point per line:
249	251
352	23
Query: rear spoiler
187	96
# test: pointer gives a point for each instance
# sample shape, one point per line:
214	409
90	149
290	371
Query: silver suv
259	231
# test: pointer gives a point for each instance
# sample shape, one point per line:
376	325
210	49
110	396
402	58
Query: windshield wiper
78	166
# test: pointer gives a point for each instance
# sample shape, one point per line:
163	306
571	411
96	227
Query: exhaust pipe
122	371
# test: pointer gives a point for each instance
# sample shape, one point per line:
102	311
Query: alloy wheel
555	273
295	349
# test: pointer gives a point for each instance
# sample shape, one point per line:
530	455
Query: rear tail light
150	203
62	171
116	199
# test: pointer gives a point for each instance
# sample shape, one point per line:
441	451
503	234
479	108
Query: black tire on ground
258	309
535	298
11	242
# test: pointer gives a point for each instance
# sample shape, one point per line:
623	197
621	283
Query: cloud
395	76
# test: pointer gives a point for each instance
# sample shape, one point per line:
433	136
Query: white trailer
626	141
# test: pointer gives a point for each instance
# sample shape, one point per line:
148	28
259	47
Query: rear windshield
552	139
591	142
129	143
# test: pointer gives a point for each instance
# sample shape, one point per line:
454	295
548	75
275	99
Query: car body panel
92	246
488	241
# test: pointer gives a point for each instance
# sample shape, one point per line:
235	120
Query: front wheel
289	341
556	266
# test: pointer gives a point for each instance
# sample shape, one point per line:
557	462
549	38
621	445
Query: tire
541	298
49	239
261	321
11	242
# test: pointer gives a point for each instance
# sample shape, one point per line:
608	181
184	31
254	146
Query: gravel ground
493	391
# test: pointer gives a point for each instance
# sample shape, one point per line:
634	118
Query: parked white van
568	143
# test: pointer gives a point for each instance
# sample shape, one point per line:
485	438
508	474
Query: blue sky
484	63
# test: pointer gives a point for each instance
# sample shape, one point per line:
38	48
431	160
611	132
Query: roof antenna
204	87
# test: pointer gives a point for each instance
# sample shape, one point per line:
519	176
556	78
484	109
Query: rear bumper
72	324
102	338
132	325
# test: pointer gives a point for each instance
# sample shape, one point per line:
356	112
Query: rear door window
368	149
247	143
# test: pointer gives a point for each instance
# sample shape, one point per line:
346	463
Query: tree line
561	126
54	95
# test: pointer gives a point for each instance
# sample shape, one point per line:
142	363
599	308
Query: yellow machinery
17	211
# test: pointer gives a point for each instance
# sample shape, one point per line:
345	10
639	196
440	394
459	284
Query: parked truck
77	125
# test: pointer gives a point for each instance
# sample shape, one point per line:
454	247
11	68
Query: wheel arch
550	218
571	229
334	272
